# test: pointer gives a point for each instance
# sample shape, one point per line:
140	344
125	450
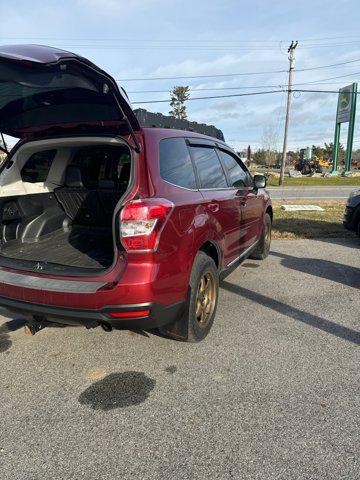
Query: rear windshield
103	165
36	168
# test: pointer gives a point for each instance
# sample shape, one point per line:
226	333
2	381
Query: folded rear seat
80	204
88	206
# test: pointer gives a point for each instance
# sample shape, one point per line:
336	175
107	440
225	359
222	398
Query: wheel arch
269	210
212	249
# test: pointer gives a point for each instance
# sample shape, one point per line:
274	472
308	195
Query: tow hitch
33	326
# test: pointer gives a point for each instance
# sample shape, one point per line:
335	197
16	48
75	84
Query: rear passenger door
249	201
220	202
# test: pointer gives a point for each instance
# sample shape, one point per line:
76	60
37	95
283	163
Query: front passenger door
249	201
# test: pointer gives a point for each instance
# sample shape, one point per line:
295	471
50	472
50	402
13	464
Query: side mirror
260	181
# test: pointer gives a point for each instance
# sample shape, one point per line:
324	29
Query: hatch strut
4	148
128	124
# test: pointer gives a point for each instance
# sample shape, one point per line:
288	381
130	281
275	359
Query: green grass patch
315	181
310	224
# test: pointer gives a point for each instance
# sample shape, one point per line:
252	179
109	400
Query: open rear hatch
44	90
46	93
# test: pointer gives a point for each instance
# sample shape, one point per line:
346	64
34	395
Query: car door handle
213	207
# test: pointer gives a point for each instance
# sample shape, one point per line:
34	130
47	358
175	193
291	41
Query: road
310	193
272	393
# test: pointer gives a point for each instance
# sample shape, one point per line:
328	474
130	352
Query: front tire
263	248
200	311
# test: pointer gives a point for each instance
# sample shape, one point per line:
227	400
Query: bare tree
270	140
178	97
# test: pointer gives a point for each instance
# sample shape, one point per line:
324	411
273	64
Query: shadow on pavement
300	315
5	342
118	390
5	329
308	228
334	271
14	324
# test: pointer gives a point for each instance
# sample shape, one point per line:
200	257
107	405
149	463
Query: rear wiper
128	124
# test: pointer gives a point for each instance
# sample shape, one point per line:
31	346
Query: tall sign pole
291	51
346	110
350	137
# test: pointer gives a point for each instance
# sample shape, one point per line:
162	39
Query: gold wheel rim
205	299
267	237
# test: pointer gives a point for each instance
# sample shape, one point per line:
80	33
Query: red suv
107	223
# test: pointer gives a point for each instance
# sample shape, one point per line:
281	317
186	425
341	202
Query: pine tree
178	97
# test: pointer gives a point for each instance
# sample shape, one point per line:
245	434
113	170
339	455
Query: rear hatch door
45	90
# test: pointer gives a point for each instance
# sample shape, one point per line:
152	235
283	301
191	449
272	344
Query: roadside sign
345	113
345	100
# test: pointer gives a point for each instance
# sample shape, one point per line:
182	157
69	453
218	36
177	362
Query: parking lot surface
272	393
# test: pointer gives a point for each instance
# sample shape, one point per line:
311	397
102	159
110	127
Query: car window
237	174
175	163
37	167
208	166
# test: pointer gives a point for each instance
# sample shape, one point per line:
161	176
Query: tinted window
175	163
209	168
103	165
37	167
237	175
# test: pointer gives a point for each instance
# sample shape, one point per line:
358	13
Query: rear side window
237	174
37	167
208	166
175	163
103	165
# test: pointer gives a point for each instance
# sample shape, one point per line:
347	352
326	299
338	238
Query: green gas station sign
346	109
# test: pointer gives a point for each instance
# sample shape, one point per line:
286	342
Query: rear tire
263	247
200	311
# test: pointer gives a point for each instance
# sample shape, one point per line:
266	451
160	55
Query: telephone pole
291	52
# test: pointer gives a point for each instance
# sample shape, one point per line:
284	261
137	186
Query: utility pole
291	52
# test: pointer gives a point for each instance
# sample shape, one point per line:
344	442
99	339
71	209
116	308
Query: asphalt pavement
310	193
272	393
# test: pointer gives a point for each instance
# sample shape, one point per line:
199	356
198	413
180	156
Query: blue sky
168	38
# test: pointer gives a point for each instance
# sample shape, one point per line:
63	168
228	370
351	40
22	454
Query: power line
167	40
184	77
267	40
244	95
213	96
251	86
216	47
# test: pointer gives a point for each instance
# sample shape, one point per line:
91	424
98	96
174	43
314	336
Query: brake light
142	221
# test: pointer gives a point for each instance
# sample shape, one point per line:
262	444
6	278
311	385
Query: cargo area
57	203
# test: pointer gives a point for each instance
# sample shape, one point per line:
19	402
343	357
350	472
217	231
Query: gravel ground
272	393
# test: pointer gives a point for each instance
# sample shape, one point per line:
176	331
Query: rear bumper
160	315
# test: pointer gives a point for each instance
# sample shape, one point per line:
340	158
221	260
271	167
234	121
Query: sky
143	39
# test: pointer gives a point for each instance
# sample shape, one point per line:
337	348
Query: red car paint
163	276
229	219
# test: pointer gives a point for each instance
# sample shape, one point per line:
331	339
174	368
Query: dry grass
310	224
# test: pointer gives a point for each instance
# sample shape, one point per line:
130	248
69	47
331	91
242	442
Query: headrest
73	176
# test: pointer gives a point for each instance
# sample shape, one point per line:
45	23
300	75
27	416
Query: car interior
57	203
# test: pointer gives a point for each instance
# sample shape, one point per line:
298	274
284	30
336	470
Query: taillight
142	221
